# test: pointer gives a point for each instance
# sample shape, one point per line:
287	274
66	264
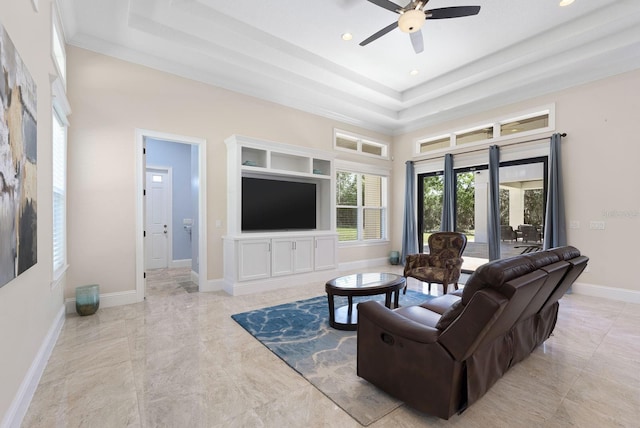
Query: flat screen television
277	205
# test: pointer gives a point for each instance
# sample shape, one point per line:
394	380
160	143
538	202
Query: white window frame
549	109
359	170
58	50
360	140
60	111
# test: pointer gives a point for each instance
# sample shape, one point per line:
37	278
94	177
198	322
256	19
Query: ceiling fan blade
452	12
380	33
386	4
417	41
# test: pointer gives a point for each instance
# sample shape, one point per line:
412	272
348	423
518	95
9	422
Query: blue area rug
300	335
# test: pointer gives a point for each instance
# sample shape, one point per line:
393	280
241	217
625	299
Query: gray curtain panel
409	233
448	211
493	220
555	232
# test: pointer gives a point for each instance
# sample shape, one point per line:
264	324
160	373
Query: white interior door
158	219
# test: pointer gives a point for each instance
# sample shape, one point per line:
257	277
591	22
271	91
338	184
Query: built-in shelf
254	261
254	157
291	163
321	167
276	161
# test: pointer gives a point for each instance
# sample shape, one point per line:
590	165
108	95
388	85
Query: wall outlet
596	225
574	224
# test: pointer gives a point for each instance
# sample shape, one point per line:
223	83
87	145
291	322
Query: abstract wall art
18	166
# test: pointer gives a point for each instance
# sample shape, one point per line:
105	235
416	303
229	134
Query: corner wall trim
213	285
18	409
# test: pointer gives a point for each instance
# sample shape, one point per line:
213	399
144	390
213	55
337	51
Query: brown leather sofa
443	355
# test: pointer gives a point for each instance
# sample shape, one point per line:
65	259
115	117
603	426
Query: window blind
59	194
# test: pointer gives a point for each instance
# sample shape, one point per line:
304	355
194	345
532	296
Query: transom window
346	141
528	123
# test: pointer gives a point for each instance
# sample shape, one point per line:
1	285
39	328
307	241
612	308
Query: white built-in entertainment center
258	260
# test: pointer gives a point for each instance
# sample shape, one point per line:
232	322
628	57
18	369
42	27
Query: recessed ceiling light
414	72
565	2
347	36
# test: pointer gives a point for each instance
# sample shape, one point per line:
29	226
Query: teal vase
87	299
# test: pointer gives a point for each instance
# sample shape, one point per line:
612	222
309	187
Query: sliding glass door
430	196
523	197
523	190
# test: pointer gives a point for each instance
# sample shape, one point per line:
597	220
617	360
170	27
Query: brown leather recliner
443	355
442	265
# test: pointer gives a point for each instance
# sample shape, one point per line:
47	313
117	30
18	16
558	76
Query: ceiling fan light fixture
411	21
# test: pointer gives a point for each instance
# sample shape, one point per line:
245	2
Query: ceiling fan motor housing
411	21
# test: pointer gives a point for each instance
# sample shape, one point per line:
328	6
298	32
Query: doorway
195	225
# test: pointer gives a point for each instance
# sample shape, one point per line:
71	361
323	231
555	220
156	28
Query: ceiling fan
412	17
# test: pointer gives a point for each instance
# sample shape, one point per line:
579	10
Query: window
361	206
59	194
60	111
526	123
466	137
434	144
57	48
353	143
430	194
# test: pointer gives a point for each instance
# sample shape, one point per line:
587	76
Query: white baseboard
180	263
268	284
18	409
106	300
622	294
363	264
195	277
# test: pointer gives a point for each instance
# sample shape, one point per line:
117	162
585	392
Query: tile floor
179	360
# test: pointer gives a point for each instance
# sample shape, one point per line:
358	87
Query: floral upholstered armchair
442	265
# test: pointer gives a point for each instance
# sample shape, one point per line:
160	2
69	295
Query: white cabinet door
291	256
325	252
254	259
303	255
282	257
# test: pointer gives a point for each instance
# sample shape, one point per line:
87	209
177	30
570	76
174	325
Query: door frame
201	143
169	250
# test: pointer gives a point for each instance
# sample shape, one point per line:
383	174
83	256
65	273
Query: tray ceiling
291	51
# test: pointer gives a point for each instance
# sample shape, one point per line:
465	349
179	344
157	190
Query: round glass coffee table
360	284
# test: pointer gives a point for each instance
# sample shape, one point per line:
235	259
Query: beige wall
110	99
600	159
29	305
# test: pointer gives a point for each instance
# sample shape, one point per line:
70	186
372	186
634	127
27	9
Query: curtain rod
564	134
